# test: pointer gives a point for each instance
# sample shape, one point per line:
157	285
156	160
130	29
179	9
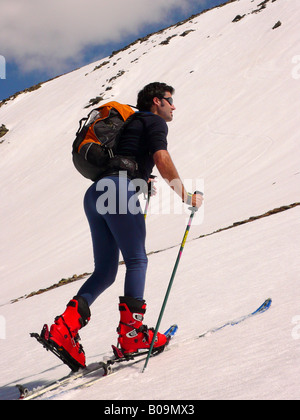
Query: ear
156	101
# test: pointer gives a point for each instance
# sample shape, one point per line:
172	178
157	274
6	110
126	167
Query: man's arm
168	171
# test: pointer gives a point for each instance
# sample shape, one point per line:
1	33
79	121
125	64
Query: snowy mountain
236	74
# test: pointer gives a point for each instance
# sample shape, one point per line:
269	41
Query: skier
121	229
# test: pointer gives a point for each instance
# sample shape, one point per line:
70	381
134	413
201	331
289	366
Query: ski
120	358
116	363
262	308
27	394
105	366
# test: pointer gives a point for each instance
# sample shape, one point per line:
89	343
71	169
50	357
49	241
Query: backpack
96	139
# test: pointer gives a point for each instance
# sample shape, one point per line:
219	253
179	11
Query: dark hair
146	95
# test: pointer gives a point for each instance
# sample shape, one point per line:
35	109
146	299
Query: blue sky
41	39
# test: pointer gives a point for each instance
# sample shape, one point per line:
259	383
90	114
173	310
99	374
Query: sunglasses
170	100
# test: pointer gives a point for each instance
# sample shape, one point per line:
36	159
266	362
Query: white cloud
40	34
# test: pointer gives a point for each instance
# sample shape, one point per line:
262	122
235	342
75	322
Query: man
144	139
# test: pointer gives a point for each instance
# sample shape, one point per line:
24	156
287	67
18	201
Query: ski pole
149	194
193	211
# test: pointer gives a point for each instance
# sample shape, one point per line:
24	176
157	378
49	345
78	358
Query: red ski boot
133	335
64	332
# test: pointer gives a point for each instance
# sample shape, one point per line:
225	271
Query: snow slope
233	135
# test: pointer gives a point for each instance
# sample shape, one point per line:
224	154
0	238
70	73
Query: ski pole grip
194	209
150	184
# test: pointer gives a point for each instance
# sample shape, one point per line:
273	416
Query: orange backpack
96	139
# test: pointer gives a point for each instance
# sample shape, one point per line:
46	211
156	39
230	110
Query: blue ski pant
117	224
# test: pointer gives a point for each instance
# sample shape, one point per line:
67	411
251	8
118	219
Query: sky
41	39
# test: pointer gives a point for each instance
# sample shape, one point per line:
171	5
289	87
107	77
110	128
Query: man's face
165	107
